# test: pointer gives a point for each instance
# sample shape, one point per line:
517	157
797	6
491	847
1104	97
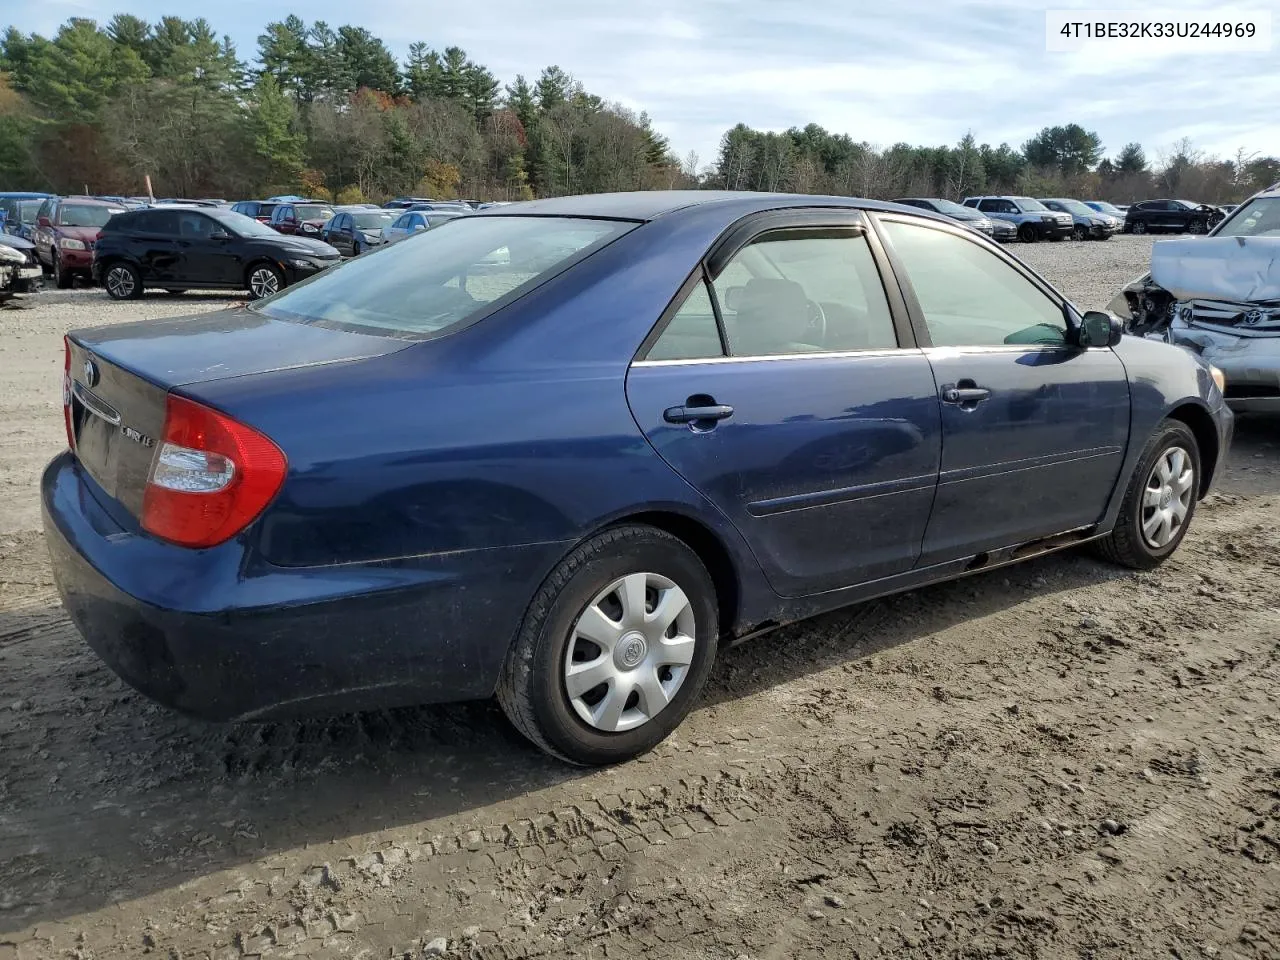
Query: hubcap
1166	501
263	283
120	282
629	652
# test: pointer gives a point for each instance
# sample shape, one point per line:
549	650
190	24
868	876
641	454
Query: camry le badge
137	437
90	373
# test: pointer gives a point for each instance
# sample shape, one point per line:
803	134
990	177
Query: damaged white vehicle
1219	296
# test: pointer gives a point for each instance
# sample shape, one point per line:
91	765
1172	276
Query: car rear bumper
216	637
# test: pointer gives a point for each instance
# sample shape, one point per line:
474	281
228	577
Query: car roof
651	204
94	201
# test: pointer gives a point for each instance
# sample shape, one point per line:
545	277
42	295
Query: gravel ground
1059	759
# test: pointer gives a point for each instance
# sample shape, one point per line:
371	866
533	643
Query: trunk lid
121	375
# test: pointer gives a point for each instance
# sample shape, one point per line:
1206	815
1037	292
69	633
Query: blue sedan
565	451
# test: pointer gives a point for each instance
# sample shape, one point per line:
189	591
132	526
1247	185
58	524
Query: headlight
70	243
1219	378
309	228
304	264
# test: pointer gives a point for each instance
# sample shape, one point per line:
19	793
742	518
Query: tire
263	280
61	278
1198	226
1028	233
355	248
533	688
1139	227
122	281
1128	545
1079	233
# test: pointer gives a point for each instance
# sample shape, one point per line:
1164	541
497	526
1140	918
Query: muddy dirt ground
1059	759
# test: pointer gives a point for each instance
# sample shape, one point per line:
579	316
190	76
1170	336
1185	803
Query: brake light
66	393
211	476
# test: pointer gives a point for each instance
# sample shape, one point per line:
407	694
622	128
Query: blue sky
906	70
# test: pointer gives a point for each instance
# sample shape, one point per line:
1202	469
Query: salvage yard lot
1056	759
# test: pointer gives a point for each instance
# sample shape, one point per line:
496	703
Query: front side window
804	291
442	280
969	296
692	333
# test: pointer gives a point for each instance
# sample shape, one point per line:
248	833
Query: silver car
1219	296
415	221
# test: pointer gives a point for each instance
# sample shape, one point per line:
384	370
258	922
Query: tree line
322	111
1060	161
332	112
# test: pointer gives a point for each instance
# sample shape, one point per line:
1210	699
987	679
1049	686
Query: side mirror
1099	329
43	222
217	233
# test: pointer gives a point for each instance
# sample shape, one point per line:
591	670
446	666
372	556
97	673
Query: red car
66	228
304	219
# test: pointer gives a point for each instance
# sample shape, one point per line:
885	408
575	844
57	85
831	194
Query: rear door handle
717	411
963	395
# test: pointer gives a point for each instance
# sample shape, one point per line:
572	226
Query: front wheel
1080	233
122	282
1159	501
62	278
1198	226
264	280
1028	233
614	648
1139	227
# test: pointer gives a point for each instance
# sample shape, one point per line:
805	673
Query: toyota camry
562	452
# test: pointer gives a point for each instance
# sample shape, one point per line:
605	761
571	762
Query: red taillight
66	392
210	478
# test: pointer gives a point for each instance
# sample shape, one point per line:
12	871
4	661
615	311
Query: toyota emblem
90	373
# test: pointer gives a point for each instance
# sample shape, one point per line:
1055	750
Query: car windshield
1076	207
313	211
1028	205
86	215
1260	217
1103	207
242	225
440	278
372	220
953	209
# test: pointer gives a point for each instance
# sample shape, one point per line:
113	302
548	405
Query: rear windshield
86	215
440	278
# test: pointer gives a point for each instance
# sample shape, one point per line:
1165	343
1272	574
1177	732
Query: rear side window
444	278
692	333
804	291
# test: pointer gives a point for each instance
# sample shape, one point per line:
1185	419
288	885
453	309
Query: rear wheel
1028	233
264	280
122	282
355	248
614	649
1159	501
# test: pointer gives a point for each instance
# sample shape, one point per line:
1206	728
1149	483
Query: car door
783	384
1034	429
345	234
43	236
208	252
153	243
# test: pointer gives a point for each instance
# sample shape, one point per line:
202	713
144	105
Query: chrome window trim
825	355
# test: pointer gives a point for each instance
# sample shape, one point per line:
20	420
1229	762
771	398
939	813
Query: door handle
713	412
965	395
